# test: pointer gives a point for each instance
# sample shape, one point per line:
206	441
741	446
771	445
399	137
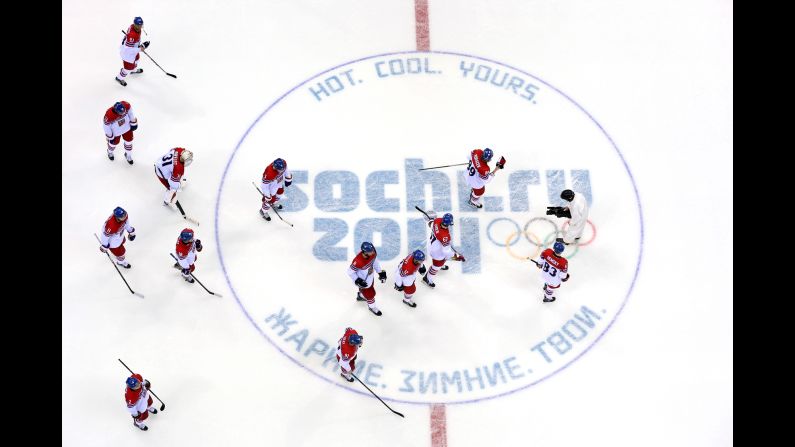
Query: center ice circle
355	137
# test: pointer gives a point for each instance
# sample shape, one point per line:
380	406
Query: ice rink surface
629	102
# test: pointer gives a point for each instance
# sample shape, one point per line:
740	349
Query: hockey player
120	122
361	272
139	403
478	174
441	246
186	253
578	211
113	235
130	49
406	274
554	269
347	348
275	178
169	169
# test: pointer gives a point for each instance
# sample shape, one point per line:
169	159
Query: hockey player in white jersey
169	170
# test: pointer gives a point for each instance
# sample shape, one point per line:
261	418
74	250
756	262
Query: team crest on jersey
399	125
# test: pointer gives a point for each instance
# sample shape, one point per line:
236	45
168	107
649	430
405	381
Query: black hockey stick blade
376	396
423	212
185	216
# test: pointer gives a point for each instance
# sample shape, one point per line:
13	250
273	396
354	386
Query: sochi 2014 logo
358	138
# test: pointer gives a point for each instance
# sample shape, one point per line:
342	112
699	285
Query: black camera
558	211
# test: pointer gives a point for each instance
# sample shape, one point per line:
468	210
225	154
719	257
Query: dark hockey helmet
279	164
355	339
186	236
487	154
133	383
119	108
419	256
120	214
567	195
447	219
138	21
367	247
558	247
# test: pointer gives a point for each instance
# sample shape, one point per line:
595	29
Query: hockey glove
185	272
361	283
103	248
132	234
382	276
133	127
286	183
199	245
146	44
422	270
399	288
501	163
566	278
147	385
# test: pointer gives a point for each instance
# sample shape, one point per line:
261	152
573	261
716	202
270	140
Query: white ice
658	77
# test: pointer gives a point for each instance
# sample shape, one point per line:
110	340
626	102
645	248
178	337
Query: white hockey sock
128	150
122	74
169	196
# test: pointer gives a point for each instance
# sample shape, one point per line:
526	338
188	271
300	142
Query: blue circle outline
449	53
518	231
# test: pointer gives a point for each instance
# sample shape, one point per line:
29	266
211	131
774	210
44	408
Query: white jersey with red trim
363	268
441	241
115	124
112	234
478	172
406	272
171	168
130	45
553	267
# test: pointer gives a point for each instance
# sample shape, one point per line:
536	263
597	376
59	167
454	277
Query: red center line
422	28
438	426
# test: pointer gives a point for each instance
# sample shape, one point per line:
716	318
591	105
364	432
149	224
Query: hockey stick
273	207
376	396
197	279
445	166
150	57
162	405
423	212
117	269
534	262
190	219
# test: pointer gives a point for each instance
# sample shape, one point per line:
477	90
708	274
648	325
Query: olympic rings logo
534	240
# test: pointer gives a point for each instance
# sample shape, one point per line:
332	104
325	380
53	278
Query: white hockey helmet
186	157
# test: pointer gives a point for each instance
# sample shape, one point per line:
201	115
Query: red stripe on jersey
360	263
559	262
407	266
